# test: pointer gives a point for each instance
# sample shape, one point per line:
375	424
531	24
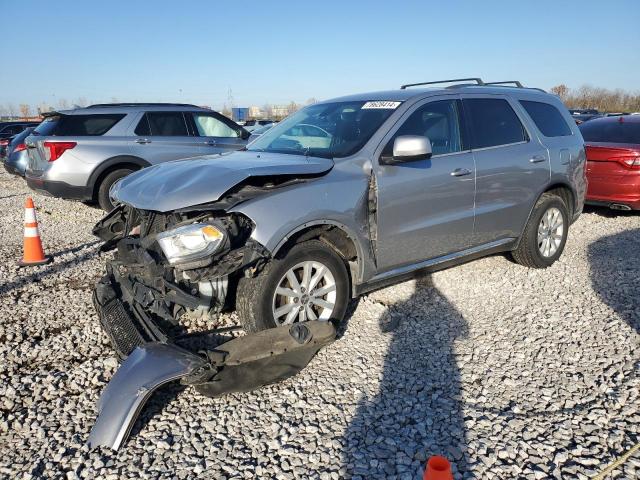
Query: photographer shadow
417	411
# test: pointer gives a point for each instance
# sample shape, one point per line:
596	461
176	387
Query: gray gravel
509	372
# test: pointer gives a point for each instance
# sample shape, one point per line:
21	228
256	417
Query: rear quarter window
493	122
611	131
547	118
79	125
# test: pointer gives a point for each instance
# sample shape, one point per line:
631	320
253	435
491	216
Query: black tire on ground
254	298
105	185
527	253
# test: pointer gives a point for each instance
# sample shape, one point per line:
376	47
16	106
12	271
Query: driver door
426	207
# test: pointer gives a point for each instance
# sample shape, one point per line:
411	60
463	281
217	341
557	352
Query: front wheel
309	283
545	235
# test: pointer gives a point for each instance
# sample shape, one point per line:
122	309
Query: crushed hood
184	183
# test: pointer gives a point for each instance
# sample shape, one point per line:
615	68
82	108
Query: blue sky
269	51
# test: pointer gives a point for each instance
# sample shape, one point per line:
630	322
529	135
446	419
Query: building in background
255	112
239	114
279	111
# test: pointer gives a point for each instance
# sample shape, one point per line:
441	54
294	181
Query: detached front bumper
133	313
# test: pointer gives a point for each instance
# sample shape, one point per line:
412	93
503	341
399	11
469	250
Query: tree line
602	99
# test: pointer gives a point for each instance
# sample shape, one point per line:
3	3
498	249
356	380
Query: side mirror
244	135
408	148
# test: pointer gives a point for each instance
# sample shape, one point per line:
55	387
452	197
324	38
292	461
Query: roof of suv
408	93
133	107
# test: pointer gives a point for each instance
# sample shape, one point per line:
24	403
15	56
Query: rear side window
165	124
493	122
547	118
611	131
78	125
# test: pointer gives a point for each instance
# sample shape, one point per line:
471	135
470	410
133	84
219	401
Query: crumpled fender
144	371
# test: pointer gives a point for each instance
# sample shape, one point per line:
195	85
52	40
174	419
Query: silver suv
340	198
78	154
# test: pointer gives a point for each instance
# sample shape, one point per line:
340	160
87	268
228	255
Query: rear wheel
309	283
545	235
103	190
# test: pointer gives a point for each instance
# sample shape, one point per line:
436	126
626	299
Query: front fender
144	371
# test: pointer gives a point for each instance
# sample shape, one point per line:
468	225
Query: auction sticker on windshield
386	104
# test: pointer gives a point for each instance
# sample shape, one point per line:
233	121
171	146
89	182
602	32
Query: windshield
330	130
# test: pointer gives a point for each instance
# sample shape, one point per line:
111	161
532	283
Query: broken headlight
190	242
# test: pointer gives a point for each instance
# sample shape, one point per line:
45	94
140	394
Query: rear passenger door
216	133
512	166
163	136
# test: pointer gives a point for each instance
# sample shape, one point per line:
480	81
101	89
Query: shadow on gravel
418	410
52	268
615	271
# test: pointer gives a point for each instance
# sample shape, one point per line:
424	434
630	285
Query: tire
256	299
530	252
105	185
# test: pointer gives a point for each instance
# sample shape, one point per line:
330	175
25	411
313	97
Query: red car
613	161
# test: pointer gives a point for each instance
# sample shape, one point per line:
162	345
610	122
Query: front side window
439	122
331	130
210	126
493	122
614	131
547	118
165	124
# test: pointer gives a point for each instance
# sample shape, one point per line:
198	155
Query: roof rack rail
506	82
475	79
138	104
514	82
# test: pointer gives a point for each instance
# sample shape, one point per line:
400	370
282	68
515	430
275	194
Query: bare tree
267	110
63	103
561	90
292	107
25	110
11	108
82	102
311	101
599	98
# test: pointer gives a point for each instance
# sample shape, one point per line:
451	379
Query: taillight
4	142
56	149
627	157
20	147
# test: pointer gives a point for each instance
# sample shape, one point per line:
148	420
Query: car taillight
4	142
56	149
627	157
20	147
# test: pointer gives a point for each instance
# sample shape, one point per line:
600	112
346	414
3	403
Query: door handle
460	172
211	143
538	159
142	141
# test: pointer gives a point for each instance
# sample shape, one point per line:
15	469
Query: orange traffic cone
438	468
33	253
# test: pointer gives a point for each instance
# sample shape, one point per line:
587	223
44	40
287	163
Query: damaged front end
181	262
146	290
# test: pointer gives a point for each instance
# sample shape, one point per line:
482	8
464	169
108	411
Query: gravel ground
509	372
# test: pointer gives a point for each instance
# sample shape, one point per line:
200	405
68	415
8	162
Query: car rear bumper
59	189
622	190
